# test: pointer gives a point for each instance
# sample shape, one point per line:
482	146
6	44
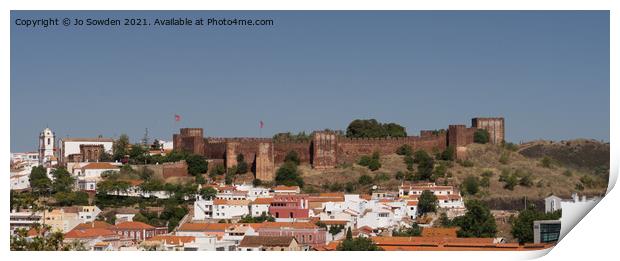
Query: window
48	141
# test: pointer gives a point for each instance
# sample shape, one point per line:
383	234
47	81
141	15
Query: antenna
145	139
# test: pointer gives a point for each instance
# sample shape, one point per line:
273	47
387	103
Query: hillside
563	174
581	153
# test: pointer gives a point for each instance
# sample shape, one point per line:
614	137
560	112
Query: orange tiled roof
173	240
89	233
94	224
262	201
133	225
325	199
286	188
231	202
412	203
99	165
269	241
332	194
298	225
334	222
204	227
439	232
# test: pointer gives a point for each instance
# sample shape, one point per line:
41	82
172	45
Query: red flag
261	124
177	117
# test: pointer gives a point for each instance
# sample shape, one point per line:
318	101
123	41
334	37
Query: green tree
63	181
427	202
208	192
373	129
522	225
292	156
335	229
217	170
39	181
196	165
470	185
242	166
477	221
120	147
289	175
425	164
42	241
481	136
349	235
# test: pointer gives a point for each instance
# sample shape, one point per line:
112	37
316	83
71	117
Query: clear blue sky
547	73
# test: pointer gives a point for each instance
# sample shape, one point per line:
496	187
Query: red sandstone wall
283	148
350	150
174	169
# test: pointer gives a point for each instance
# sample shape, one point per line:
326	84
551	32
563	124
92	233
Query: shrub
579	187
503	159
467	163
448	154
510	182
485	182
364	180
568	173
526	181
481	136
404	150
409	162
399	175
470	185
487	174
546	162
293	157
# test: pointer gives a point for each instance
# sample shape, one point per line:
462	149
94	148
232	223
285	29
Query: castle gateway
327	149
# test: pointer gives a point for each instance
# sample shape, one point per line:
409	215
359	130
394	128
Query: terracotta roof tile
94	224
99	165
173	240
262	201
267	241
133	225
204	227
296	225
89	233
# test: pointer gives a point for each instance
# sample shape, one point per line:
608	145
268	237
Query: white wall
73	147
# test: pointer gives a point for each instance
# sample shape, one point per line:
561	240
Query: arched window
291	215
48	141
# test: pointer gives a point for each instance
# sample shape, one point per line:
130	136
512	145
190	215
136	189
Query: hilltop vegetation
490	172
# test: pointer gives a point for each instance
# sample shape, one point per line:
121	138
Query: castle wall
327	149
283	148
351	149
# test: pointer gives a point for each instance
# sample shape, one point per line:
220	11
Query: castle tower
46	146
324	150
231	154
264	162
495	127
